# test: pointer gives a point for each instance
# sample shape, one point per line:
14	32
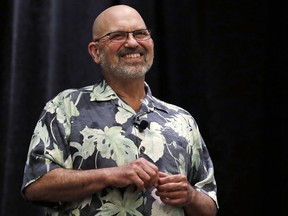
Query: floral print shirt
92	128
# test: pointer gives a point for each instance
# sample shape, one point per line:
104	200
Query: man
113	148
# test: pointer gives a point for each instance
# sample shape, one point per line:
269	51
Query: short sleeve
49	147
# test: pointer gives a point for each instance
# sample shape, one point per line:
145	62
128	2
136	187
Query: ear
93	50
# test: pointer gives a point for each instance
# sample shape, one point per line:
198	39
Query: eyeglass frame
127	34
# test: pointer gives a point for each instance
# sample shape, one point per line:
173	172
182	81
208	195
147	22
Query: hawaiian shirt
92	128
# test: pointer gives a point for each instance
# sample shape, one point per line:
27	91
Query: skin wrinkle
126	77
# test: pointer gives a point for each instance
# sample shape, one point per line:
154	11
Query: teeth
136	55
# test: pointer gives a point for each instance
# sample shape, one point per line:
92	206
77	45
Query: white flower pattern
93	128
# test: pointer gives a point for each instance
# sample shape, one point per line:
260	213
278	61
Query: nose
130	39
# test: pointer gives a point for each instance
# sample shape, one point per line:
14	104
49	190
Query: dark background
224	61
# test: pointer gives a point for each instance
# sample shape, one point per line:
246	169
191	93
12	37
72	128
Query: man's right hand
142	173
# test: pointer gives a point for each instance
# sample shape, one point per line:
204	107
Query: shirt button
142	149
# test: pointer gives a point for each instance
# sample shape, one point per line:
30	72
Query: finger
142	162
179	198
162	174
162	178
170	194
151	179
130	176
173	183
178	195
175	202
145	177
146	173
178	178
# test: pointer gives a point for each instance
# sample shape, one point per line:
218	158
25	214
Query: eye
117	36
140	34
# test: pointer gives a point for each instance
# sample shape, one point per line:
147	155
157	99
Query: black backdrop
224	61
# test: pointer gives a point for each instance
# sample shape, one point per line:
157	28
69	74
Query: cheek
109	54
150	49
150	54
113	48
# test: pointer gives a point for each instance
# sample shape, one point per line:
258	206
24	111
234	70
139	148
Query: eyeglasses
121	36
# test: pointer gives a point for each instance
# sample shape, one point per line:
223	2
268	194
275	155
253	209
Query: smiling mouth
134	55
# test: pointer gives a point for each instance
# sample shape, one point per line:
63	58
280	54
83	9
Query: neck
132	91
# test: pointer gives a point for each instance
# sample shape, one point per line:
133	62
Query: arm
175	190
200	204
62	185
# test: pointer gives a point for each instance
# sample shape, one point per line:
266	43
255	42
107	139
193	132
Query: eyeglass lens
139	35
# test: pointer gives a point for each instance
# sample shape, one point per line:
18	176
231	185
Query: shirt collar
103	92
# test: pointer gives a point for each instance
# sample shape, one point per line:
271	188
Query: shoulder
67	99
73	93
176	112
171	107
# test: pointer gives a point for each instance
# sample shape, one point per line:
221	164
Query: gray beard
126	71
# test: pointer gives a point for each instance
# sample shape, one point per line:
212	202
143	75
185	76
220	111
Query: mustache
129	50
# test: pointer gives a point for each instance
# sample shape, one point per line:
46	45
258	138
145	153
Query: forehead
121	19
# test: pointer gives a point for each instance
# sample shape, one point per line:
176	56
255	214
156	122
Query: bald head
116	18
